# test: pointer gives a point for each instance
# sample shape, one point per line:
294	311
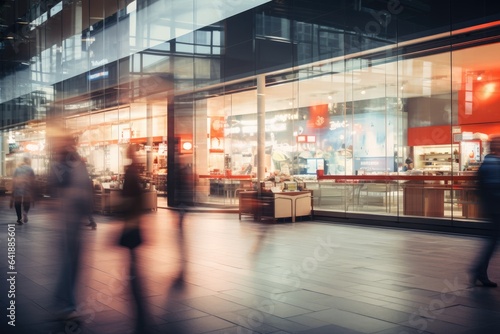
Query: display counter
423	200
277	205
423	195
227	185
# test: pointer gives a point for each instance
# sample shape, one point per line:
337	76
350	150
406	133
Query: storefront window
357	118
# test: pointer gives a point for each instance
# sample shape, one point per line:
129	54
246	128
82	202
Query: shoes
19	222
93	225
485	282
25	217
479	278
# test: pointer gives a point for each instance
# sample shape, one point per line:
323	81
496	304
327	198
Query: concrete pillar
261	128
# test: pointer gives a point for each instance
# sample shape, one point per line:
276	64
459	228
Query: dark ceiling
15	39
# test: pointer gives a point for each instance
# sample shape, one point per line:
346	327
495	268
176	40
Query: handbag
131	235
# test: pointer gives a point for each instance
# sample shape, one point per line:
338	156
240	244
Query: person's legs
70	260
26	208
91	222
479	270
17	205
141	324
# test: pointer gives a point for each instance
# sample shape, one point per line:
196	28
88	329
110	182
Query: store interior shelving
437	158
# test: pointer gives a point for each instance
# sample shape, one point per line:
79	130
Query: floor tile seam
272	319
239	325
248	299
356	314
373	316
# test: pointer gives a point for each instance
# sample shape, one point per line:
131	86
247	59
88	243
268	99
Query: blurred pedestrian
488	177
91	223
69	184
408	164
131	236
184	201
23	190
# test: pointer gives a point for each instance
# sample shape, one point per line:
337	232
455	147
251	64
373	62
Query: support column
149	136
261	128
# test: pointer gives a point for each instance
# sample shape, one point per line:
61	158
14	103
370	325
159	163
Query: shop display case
160	182
108	200
442	158
276	205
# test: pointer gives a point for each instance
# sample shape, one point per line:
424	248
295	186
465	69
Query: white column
261	127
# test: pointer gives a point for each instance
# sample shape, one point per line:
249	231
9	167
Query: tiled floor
246	277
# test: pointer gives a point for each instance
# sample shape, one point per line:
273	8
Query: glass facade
338	97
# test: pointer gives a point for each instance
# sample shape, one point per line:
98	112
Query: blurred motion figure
488	177
184	200
69	183
408	165
23	190
131	236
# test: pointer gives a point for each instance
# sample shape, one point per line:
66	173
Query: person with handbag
131	234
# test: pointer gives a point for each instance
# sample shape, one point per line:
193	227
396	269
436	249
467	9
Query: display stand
275	206
150	200
423	200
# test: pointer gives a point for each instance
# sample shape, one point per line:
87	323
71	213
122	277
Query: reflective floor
247	277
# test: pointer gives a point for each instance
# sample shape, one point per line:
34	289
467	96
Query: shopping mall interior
259	95
298	166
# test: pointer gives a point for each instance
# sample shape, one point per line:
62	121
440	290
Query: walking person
131	236
69	181
23	190
184	200
489	195
91	220
91	223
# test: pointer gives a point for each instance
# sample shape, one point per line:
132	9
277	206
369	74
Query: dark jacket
488	176
132	190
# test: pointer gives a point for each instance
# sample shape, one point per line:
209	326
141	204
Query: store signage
31	147
217	132
318	116
101	62
56	9
98	75
374	164
306	139
76	106
162	148
126	135
338	124
217	127
467	135
185	143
